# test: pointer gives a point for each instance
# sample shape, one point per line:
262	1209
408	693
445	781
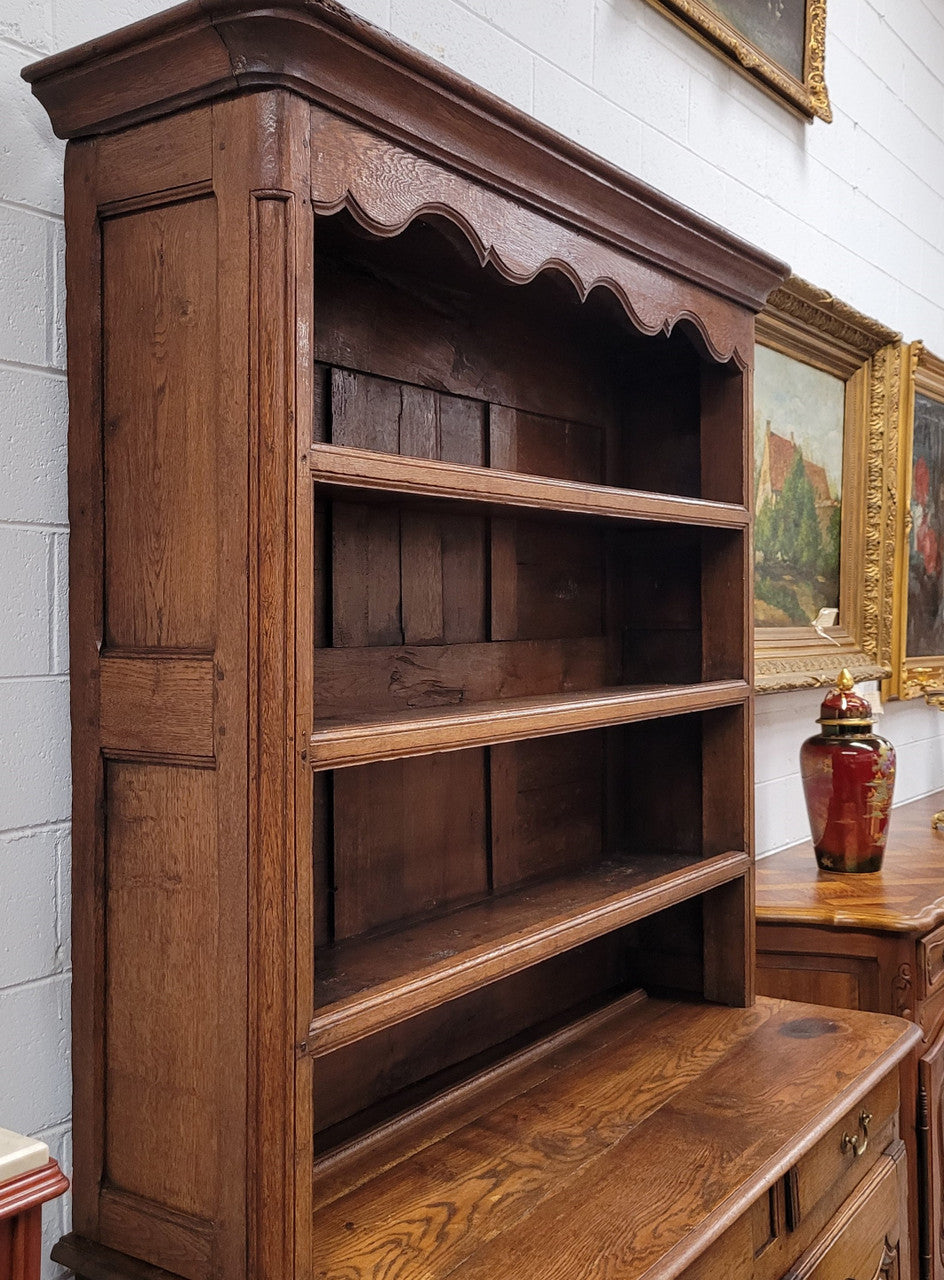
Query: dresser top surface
906	896
563	1162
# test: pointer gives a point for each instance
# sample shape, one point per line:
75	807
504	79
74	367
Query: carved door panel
931	1154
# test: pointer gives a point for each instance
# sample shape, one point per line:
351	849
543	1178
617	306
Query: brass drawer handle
858	1145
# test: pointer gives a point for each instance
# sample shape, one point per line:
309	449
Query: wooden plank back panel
352	682
419	308
397	417
161	941
160	313
473	1030
409	837
547	806
540	445
664	406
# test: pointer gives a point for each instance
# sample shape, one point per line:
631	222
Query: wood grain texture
398	850
178	1242
386	737
86	624
333	57
371	983
357	682
93	1261
239	328
866	1238
179	154
497	488
162	1057
602	1141
157	706
906	896
160	316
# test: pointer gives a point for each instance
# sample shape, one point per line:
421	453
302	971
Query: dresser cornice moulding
205	49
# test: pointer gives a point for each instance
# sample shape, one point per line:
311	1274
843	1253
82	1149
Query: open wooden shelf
568	1153
415	733
365	984
347	468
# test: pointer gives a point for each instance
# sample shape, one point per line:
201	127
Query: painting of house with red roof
798	459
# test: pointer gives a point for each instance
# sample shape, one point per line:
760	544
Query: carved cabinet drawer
862	1242
930	958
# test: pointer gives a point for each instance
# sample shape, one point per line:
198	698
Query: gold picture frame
786	62
917	657
812	327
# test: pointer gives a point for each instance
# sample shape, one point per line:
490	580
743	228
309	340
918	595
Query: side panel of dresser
854	970
179	231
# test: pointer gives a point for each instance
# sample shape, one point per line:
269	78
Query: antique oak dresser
413	903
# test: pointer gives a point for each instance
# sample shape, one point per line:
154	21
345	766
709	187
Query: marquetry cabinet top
906	896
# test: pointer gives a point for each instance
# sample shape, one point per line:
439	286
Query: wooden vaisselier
411	653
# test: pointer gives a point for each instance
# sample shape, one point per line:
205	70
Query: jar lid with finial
843	706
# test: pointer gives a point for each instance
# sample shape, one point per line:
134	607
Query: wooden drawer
827	1174
863	1240
799	1210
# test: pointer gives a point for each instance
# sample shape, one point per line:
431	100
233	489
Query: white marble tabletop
19	1155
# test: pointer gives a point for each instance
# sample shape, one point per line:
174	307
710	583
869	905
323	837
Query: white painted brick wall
855	206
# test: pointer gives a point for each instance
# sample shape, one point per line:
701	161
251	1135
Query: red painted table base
21	1220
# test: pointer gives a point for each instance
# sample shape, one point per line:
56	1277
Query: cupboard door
931	1154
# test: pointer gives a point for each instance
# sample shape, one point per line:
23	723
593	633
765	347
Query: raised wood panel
834	987
180	1244
160	321
157	706
156	157
163	1056
867	1236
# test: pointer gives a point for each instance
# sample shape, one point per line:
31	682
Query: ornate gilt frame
912	677
808	97
811	325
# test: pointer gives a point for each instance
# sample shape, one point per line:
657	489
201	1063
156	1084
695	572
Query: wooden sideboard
873	942
411	703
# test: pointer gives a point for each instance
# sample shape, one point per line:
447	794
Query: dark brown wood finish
412	724
872	942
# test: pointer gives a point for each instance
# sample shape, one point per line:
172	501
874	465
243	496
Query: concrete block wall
855	206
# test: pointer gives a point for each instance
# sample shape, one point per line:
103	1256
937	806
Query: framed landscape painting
778	43
826	385
918	658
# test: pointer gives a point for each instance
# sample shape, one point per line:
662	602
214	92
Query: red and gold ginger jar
848	777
